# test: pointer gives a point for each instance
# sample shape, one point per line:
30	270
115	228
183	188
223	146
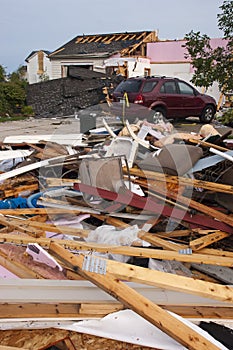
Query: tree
210	64
12	92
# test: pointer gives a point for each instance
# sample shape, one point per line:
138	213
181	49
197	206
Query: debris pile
139	204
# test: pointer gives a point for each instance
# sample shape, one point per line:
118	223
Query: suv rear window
129	86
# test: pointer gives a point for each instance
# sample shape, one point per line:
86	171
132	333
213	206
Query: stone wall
62	97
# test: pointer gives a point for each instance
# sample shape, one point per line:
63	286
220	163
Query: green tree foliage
213	64
12	92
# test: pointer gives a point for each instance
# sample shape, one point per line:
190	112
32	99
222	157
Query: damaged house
79	70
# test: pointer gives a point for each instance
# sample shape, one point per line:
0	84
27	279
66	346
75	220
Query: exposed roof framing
123	43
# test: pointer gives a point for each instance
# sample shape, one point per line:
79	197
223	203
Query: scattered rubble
123	204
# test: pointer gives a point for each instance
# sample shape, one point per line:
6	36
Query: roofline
89	55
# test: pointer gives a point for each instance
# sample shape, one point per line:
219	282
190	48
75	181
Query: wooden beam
202	242
208	145
190	203
139	304
124	250
58	310
54	228
169	281
14	224
179	180
35	211
14	192
4	347
97	309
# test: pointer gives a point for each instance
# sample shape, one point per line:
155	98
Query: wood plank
208	145
181	181
169	281
129	198
141	305
35	211
202	242
55	228
100	309
190	203
4	347
124	250
14	192
58	310
14	224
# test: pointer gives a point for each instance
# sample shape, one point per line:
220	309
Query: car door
149	91
192	104
170	96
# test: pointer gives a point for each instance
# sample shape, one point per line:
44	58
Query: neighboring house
168	58
129	54
118	53
38	66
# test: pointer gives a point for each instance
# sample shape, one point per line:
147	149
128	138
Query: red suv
167	97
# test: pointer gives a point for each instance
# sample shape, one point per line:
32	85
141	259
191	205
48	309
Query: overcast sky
28	25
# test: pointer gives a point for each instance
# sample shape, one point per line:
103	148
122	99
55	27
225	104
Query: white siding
32	68
57	65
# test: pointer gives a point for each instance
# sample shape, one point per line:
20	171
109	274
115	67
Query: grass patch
4	119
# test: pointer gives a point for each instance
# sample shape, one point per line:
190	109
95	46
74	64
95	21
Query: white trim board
70	291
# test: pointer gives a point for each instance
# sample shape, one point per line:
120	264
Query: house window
147	72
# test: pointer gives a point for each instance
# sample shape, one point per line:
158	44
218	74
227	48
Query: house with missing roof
128	54
118	53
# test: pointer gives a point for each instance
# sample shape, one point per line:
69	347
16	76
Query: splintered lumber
129	198
14	224
139	304
189	203
124	250
202	242
14	192
179	180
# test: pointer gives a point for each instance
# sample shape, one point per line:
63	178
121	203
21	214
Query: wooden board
100	309
144	307
123	250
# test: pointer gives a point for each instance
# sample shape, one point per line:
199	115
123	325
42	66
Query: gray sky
28	25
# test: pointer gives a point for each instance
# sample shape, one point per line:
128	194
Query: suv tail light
139	99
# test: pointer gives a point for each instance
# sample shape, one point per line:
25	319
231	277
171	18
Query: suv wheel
207	114
158	115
